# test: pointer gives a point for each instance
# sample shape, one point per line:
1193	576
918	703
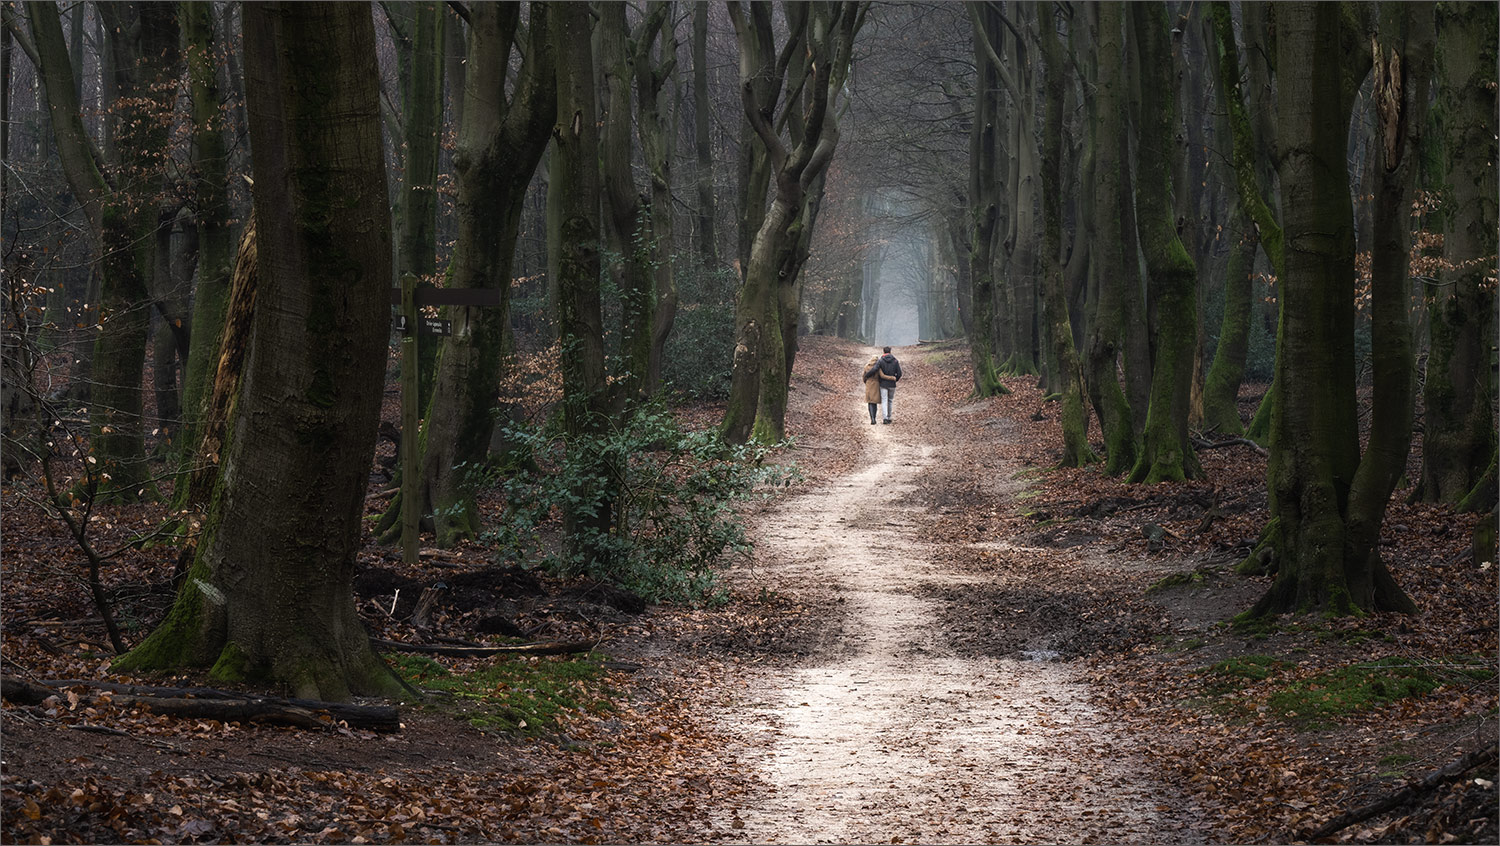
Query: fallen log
1475	758
221	705
548	648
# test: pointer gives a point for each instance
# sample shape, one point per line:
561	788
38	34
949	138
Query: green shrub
670	495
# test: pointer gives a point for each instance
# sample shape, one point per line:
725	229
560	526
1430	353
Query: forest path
885	734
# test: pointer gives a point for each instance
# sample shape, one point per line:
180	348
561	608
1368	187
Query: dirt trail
886	735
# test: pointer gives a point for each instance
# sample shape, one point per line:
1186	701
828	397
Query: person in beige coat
872	385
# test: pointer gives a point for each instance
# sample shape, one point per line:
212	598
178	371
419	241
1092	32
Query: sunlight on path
892	738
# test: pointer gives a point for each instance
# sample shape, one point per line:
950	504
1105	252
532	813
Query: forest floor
938	638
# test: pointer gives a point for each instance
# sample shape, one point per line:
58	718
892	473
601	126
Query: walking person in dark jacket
890	374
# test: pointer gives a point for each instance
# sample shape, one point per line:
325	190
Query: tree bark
821	41
1073	413
216	257
1105	327
1458	439
500	144
1314	434
985	188
270	595
576	195
1166	452
708	249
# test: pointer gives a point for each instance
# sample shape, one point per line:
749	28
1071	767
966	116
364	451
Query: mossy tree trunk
270	598
1105	327
1252	190
820	39
1260	104
1023	265
1459	393
1166	452
638	223
500	144
1074	414
1318	488
216	256
143	45
985	187
574	218
1403	69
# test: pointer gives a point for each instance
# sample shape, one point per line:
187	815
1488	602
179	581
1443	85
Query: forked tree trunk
1166	452
500	144
758	385
1315	435
270	596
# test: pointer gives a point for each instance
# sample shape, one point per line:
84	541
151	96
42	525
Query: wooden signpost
409	297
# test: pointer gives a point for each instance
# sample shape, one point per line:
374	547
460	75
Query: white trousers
887	400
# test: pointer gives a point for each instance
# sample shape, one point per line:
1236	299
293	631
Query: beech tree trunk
1106	326
1317	501
1459	393
985	187
500	144
1072	411
708	248
210	172
824	34
270	596
574	219
1166	452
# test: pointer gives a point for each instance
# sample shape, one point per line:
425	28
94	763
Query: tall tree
985	187
639	222
1073	413
1315	433
500	143
821	42
270	595
707	238
1459	393
1222	384
1106	327
118	202
1166	452
209	175
573	216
